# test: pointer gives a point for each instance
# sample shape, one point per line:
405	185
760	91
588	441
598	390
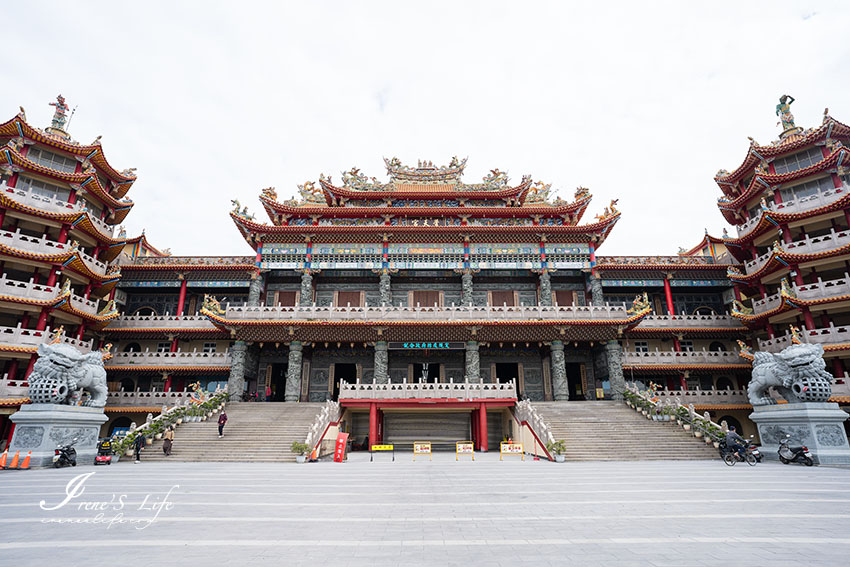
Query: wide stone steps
609	430
260	432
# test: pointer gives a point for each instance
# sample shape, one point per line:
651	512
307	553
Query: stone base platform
41	428
817	425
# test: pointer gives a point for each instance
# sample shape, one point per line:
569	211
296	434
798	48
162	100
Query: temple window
425	298
806	189
52	160
163	347
565	298
797	161
687	346
286	298
348	298
641	346
502	298
716	347
209	347
42	189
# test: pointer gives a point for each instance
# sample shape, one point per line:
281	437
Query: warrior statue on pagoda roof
783	111
59	117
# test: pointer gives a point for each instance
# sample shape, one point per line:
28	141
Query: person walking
138	445
168	441
268	393
222	419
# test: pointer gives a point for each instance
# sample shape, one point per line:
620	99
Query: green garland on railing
161	422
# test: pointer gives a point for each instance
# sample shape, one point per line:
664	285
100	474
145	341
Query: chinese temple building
789	203
427	307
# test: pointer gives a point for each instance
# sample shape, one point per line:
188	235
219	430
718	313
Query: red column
786	233
63	234
181	301
11	433
87	291
53	276
847	216
373	424
25	321
475	436
42	319
30	366
13	369
837	369
482	426
770	333
807	316
2	216
380	439
81	330
668	295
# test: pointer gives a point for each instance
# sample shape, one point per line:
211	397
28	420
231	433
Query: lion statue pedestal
798	374
59	413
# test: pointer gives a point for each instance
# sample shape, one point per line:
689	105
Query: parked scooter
754	449
65	455
798	454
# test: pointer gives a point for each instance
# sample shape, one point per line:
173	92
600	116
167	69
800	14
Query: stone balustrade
799	205
138	398
29	198
824	289
683	358
666	260
161	322
687	321
18	337
526	412
43	245
439	314
424	390
763	305
330	413
808	245
698	396
169	359
822	336
27	290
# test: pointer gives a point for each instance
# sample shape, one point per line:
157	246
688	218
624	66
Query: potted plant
300	450
558	448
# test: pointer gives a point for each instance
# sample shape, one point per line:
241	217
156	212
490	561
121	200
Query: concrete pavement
428	513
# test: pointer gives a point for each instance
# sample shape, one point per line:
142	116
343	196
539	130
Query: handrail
681	412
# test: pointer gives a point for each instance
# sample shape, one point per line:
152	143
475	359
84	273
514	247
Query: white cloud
214	101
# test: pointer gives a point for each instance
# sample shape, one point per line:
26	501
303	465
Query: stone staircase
255	432
611	431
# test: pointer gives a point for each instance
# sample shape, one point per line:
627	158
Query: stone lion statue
797	373
61	373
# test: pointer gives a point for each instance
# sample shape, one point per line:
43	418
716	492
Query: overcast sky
641	101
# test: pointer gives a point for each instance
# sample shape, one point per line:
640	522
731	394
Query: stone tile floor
440	512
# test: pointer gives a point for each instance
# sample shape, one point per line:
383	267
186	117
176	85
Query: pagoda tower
60	202
790	203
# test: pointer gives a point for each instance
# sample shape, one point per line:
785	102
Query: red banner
339	452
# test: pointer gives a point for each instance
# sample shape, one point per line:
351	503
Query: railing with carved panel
330	413
799	205
702	397
139	398
18	337
167	322
43	245
808	245
822	336
697	321
453	313
424	390
27	290
684	357
169	359
29	198
666	260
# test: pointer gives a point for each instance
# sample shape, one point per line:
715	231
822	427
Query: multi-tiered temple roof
425	203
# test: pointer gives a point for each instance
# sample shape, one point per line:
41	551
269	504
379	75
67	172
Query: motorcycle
754	449
799	454
65	455
751	449
104	453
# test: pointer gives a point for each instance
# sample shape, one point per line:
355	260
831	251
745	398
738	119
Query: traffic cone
14	463
26	464
3	459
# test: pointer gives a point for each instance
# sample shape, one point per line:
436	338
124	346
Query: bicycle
732	457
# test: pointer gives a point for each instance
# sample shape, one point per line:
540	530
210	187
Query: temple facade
385	294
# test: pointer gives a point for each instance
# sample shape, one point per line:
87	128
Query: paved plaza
428	513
